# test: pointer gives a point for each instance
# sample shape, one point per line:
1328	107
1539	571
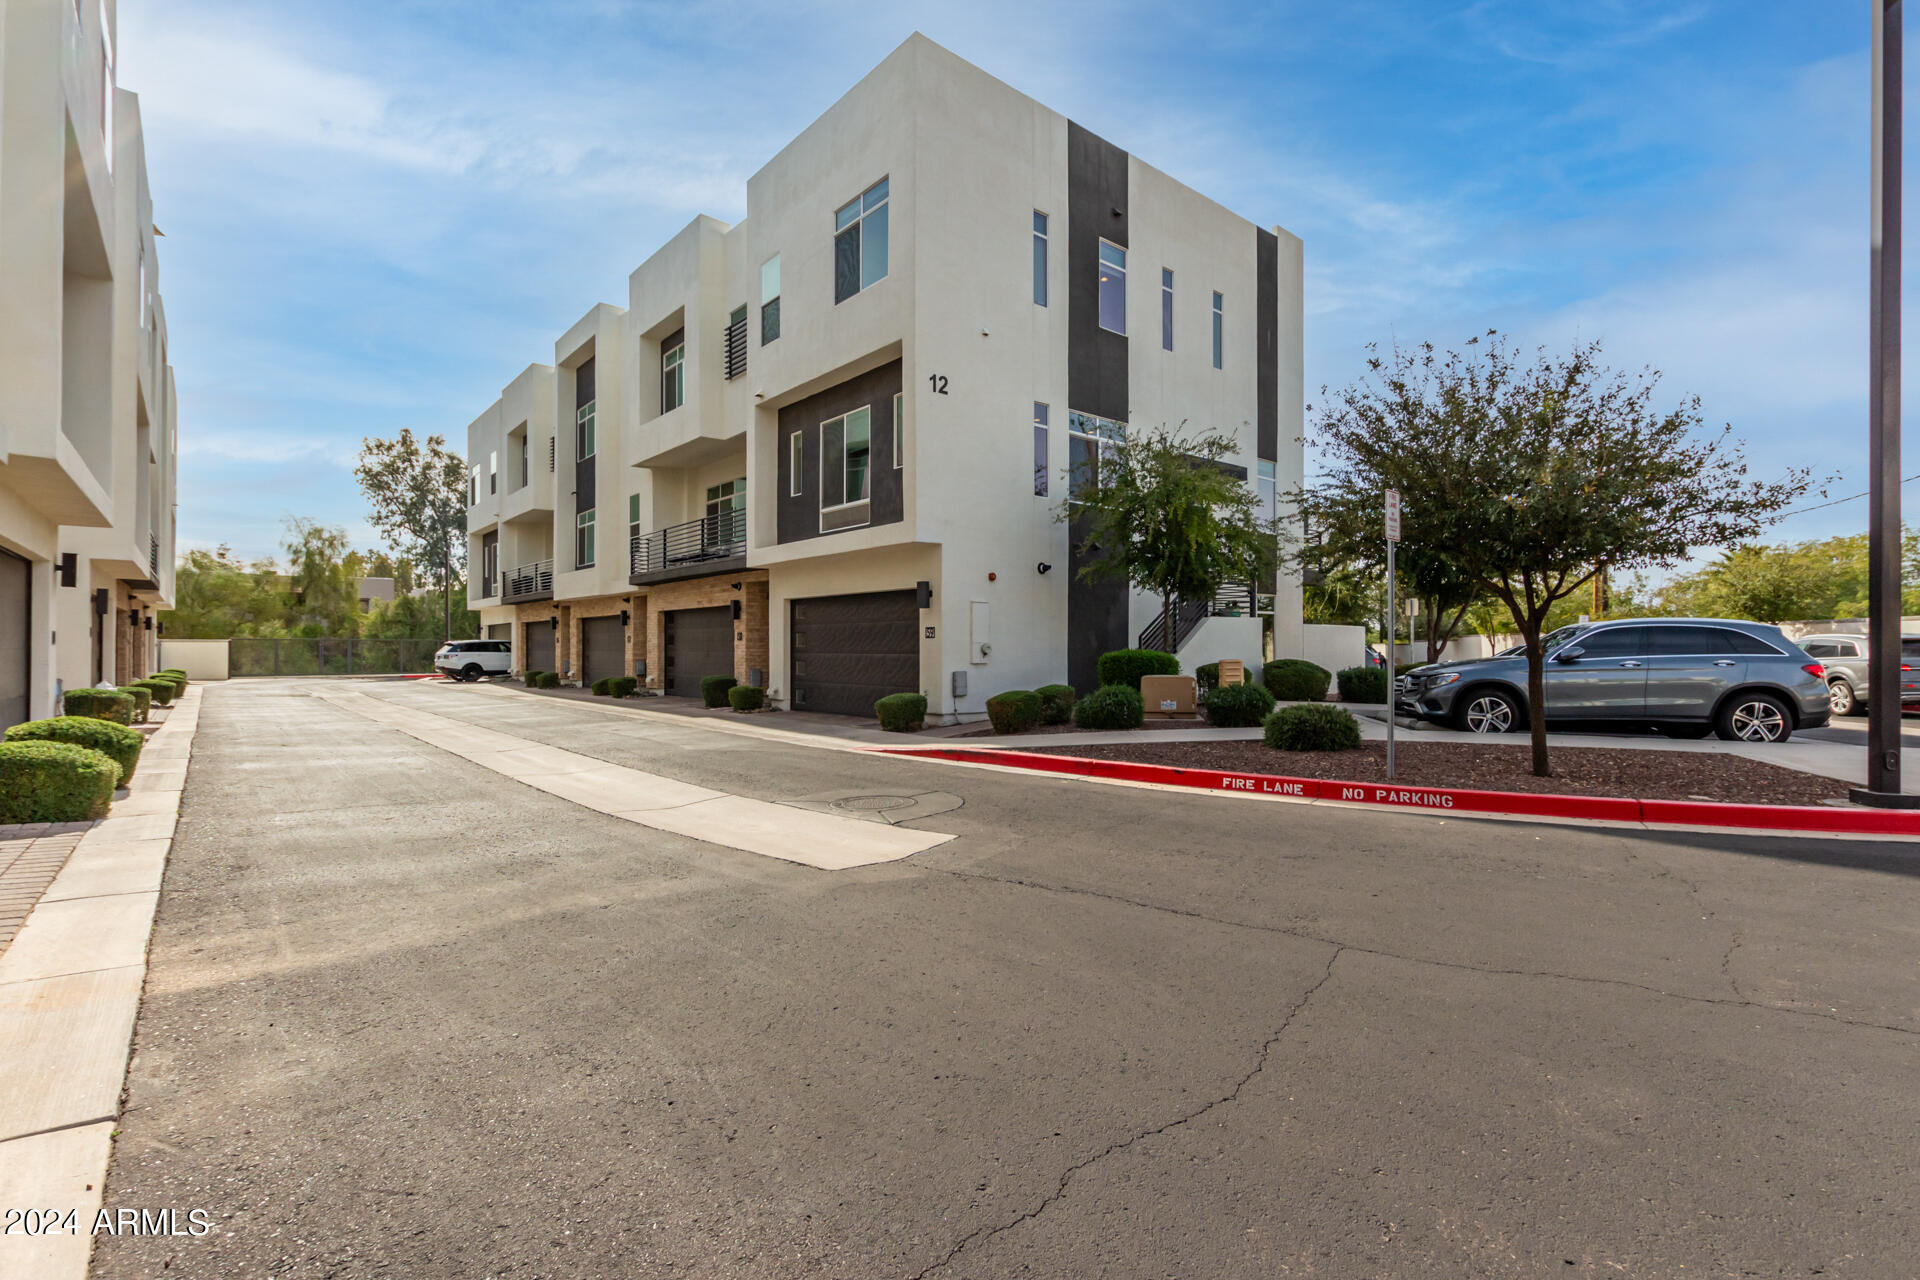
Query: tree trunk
446	589
1536	698
1166	621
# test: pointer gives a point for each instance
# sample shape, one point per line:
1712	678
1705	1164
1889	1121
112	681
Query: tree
1161	510
1810	581
1529	473
418	494
323	579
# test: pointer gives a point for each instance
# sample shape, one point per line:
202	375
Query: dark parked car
1686	676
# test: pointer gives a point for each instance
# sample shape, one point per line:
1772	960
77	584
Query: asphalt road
407	1018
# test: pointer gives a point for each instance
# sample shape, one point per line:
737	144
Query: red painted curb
1687	813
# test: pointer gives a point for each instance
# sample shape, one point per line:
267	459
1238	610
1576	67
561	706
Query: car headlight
1434	682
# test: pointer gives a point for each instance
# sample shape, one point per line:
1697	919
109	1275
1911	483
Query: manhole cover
873	804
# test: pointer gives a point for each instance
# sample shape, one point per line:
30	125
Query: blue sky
377	213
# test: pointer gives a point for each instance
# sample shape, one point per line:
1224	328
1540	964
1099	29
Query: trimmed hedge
546	680
115	741
622	686
1238	706
1126	666
902	712
532	679
99	704
1112	706
1056	703
713	689
1014	710
142	701
54	782
1313	727
1296	680
600	689
746	697
161	691
1363	684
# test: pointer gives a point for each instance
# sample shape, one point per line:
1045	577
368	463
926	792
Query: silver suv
1687	676
1845	658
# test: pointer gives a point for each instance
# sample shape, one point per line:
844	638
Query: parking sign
1393	515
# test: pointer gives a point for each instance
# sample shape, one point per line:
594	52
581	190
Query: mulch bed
1591	771
986	730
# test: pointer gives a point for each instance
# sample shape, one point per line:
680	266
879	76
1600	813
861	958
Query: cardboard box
1167	697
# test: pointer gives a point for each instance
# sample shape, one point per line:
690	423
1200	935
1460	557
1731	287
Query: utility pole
1393	619
1883	426
446	587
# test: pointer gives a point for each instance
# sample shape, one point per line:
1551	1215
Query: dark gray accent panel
539	647
1096	210
851	651
699	643
584	486
16	647
1267	344
1096	615
603	648
800	514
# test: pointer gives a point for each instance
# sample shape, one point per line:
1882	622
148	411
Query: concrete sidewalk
70	987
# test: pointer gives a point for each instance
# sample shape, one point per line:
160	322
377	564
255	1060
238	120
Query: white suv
471	659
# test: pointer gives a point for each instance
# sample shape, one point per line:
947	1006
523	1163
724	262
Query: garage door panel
539	655
699	643
851	651
603	644
16	599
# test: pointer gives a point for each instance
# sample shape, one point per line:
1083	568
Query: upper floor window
1219	329
583	430
493	472
1113	287
736	343
521	449
1269	491
860	242
899	431
633	516
796	458
1090	440
1039	258
673	374
845	450
1039	449
726	521
583	540
106	86
473	485
769	299
1166	309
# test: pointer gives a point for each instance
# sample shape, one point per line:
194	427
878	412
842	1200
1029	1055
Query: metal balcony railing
153	554
1230	601
528	582
722	536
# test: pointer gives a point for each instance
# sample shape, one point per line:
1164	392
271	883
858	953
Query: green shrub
1206	676
54	782
1296	680
532	679
99	704
1313	727
161	691
1014	710
602	686
142	701
622	686
115	741
546	680
171	671
746	697
1112	706
1238	706
1056	703
713	689
902	712
1363	684
1126	666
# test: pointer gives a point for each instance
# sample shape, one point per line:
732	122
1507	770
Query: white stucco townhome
823	449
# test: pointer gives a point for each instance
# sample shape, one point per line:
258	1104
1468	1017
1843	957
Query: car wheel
1489	711
1754	717
1686	732
471	672
1840	696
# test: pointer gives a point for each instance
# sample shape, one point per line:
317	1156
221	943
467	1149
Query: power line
1818	506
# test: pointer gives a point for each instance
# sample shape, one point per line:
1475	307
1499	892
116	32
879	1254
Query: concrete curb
1877	824
69	993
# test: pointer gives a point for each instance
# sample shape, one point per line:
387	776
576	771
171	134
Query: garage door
539	654
500	631
16	598
699	643
851	651
603	648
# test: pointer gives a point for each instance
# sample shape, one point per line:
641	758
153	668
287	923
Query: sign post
1393	619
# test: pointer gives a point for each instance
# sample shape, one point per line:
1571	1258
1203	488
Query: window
473	485
143	286
1039	450
1741	642
726	521
1039	258
1166	309
493	472
583	430
633	516
796	453
1113	287
845	448
1821	649
1688	641
899	431
1616	642
489	566
1219	332
1846	649
736	343
860	243
1268	490
583	540
769	299
1089	439
525	475
106	86
673	374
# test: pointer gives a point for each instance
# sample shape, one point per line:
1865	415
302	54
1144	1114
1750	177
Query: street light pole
1883	426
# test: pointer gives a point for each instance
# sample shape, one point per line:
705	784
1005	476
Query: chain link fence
328	656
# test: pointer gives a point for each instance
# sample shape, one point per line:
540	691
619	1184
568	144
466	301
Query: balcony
528	582
713	544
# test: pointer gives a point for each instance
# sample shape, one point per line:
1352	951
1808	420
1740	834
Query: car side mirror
1569	653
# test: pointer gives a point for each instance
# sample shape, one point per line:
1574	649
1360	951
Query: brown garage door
851	651
16	601
699	643
539	654
603	648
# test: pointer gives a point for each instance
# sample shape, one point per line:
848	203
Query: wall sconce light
69	571
734	585
149	622
1043	566
554	623
623	617
923	592
736	611
101	598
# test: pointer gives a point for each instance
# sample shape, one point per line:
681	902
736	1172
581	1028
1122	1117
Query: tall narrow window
769	299
673	373
583	430
1219	328
736	343
1269	491
899	431
583	540
1166	309
1039	258
1113	287
633	516
845	451
493	472
1039	450
473	485
796	457
860	242
106	86
1090	439
525	475
726	516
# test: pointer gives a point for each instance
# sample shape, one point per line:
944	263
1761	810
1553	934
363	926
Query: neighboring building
823	449
375	591
87	403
